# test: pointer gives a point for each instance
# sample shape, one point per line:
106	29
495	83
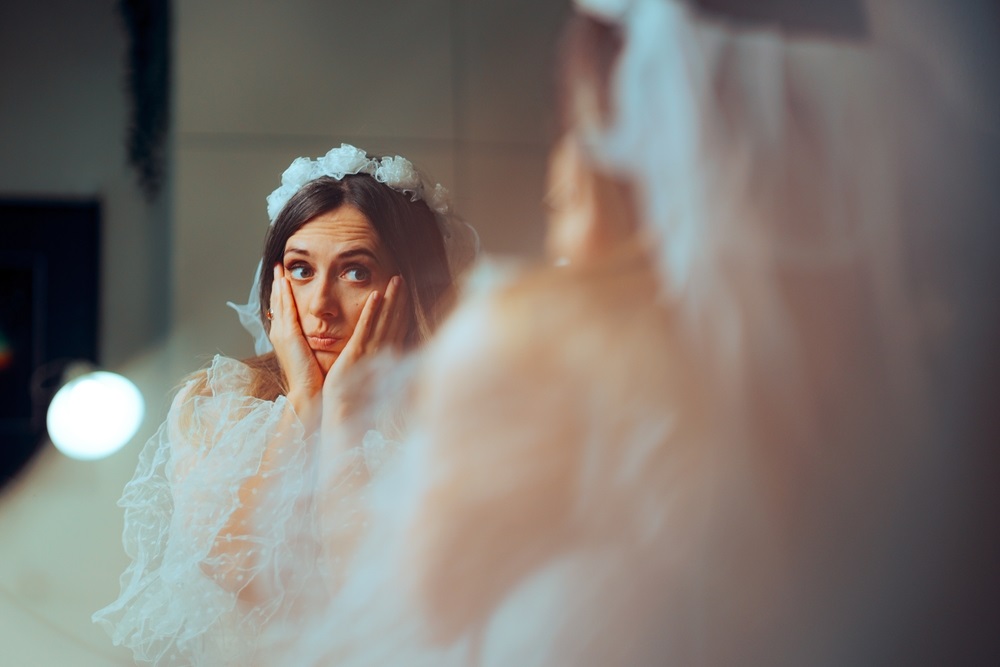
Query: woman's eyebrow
350	253
358	252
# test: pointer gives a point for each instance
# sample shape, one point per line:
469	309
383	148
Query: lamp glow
94	415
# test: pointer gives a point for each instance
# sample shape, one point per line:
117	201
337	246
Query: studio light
94	414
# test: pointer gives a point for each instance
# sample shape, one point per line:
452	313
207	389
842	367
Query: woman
357	261
696	441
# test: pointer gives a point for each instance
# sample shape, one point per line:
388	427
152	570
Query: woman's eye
357	274
299	272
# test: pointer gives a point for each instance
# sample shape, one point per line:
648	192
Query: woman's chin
326	359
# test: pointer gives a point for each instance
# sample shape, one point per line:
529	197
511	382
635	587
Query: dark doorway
49	307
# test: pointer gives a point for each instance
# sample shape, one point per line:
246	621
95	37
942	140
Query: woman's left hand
383	323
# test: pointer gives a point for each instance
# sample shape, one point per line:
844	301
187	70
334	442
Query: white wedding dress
222	499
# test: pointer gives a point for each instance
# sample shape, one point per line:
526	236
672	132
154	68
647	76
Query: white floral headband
461	242
396	172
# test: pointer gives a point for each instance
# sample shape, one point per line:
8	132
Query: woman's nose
324	301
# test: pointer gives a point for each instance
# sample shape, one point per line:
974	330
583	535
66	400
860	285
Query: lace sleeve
207	514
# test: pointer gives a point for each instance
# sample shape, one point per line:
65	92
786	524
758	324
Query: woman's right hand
302	370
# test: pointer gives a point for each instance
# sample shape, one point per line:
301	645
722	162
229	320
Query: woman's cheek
357	305
298	297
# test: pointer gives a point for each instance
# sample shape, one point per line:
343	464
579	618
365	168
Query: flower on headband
439	200
342	161
299	172
398	173
277	200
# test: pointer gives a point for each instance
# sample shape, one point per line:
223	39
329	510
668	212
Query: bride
359	257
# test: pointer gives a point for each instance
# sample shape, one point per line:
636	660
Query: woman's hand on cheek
393	319
383	323
302	370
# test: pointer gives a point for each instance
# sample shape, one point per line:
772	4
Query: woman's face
333	262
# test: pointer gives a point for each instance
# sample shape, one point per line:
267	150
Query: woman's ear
590	213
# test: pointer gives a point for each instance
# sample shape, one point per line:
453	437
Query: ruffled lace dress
213	515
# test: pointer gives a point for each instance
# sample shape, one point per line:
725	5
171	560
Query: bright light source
94	415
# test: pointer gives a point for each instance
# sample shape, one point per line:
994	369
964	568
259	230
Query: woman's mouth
323	343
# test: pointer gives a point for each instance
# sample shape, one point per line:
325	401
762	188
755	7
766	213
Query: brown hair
407	229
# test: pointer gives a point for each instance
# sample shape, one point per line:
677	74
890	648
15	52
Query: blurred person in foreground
740	422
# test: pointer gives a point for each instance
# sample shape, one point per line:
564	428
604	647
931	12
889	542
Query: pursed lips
324	343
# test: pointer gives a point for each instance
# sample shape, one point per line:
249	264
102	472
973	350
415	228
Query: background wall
461	87
63	114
